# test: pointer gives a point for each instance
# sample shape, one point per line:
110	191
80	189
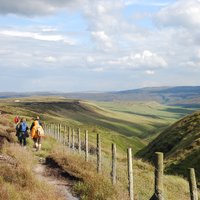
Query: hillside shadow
178	111
77	111
181	168
141	114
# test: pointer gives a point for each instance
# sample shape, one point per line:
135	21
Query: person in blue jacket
22	132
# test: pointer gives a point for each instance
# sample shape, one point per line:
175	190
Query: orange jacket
33	130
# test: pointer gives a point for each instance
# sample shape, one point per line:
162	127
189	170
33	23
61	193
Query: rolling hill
125	123
182	95
181	145
18	165
78	114
132	119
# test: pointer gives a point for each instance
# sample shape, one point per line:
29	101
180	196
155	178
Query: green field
128	124
151	117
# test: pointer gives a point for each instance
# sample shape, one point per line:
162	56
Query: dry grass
92	186
19	182
98	187
7	135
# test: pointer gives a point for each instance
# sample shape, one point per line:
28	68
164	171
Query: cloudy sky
98	45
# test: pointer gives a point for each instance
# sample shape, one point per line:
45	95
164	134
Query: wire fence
107	163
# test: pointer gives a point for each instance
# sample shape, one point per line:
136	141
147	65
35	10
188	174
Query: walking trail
62	185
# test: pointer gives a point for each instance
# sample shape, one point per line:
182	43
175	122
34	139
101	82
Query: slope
77	115
181	145
138	119
20	177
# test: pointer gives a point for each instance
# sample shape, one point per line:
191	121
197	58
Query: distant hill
181	95
180	144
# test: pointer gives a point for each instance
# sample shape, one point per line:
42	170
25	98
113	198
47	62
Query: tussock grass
92	186
7	134
18	182
5	122
98	187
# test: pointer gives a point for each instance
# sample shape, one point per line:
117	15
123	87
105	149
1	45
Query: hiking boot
36	145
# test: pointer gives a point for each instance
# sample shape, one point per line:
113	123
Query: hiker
16	119
22	132
36	119
37	133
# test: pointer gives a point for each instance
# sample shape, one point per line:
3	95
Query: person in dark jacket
22	132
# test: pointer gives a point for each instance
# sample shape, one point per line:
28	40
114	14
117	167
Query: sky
98	45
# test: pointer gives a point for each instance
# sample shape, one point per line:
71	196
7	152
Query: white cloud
37	7
50	59
49	29
104	21
150	72
109	38
145	2
102	39
90	59
182	13
146	59
99	69
37	36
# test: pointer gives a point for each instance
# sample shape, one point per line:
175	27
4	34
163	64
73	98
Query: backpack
23	127
40	131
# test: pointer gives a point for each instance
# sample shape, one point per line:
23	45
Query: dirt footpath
62	185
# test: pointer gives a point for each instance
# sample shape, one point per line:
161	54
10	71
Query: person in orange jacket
35	135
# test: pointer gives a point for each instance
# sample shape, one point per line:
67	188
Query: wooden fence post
99	153
44	126
57	132
130	173
54	131
73	139
69	137
49	129
60	135
113	164
64	133
86	146
158	190
192	184
79	140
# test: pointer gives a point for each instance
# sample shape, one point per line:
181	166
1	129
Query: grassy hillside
78	114
17	180
90	184
127	118
181	145
125	123
152	116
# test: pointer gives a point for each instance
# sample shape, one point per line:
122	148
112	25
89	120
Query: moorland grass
94	186
18	181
